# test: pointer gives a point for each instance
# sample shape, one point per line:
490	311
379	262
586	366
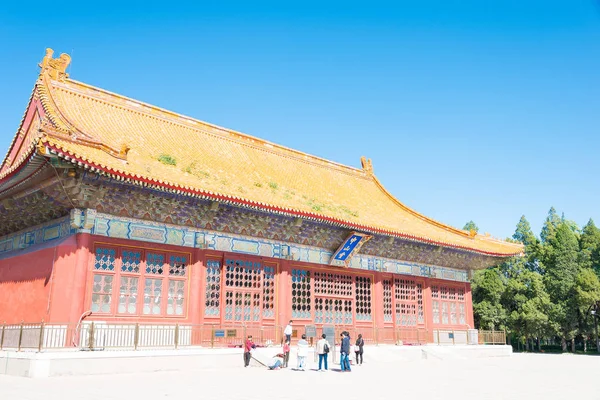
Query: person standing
345	351
358	349
286	354
248	346
288	332
323	352
302	353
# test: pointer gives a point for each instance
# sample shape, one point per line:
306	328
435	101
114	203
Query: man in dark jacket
345	351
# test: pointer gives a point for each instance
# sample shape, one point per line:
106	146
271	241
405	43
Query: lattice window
177	265
175	297
101	293
152	296
363	298
445	312
387	300
213	288
444	293
238	309
229	306
406	302
301	294
255	311
128	294
452	304
420	309
155	263
130	261
268	292
452	293
436	311
105	259
333	284
333	311
243	274
453	318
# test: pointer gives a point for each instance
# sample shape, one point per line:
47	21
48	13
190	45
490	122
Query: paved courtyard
518	377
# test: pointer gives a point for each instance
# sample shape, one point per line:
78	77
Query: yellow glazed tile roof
131	139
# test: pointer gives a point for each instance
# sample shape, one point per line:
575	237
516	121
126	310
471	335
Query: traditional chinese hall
115	211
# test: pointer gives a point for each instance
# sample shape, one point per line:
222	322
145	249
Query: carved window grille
105	259
177	265
301	294
243	290
387	300
243	274
406	302
128	294
435	305
445	308
268	292
451	305
453	319
130	261
333	311
333	298
140	275
152	296
155	263
175	297
101	293
363	298
213	288
420	309
333	284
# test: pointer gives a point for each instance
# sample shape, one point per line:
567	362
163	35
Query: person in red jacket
248	346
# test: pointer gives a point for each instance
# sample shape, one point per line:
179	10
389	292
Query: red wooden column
428	309
378	320
80	269
196	292
469	306
284	298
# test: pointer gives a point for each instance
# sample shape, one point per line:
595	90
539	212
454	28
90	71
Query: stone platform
74	362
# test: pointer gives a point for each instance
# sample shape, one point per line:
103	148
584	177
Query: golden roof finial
55	67
367	166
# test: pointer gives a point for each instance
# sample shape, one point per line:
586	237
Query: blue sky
483	110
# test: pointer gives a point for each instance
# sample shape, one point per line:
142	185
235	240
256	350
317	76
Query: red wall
28	281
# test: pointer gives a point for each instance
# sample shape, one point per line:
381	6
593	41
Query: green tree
525	235
561	269
471	226
527	304
550	225
589	244
586	292
487	289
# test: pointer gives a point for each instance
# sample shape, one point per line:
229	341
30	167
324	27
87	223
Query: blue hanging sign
349	247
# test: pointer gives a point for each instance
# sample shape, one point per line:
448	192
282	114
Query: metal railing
99	335
492	337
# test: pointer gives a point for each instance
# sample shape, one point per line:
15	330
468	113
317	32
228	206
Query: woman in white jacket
302	353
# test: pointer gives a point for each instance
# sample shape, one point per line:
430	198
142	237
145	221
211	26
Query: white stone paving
520	376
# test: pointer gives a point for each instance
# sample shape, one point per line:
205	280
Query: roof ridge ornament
367	165
55	68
